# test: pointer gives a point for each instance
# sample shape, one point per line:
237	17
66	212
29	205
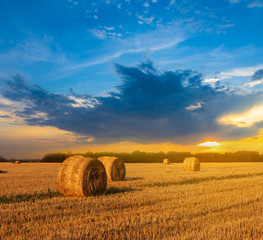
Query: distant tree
151	157
2	159
178	157
54	157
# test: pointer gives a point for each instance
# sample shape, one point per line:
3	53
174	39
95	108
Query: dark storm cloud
258	75
148	106
4	116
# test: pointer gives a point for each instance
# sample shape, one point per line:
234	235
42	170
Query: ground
222	201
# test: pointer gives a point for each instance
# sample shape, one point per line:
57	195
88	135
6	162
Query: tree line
174	157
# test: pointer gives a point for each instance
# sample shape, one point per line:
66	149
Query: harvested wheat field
156	201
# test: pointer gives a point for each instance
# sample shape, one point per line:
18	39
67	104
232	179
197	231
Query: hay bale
115	168
191	164
81	176
166	161
17	162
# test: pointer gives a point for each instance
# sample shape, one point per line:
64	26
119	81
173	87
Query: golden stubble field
222	201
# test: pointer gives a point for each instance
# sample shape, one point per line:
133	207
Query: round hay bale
81	176
166	161
115	168
17	162
191	164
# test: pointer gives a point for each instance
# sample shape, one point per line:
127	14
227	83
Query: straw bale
115	168
166	161
191	164
82	177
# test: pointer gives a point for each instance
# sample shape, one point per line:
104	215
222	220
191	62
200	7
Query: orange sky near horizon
22	141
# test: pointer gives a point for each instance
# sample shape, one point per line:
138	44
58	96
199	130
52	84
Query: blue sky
64	64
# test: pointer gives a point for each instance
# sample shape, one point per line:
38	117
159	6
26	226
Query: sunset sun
209	144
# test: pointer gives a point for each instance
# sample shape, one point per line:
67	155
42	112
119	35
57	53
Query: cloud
105	32
244	119
148	106
221	28
195	106
172	2
100	34
145	20
211	80
256	79
151	41
146	4
258	75
33	50
239	72
253	83
4	103
255	4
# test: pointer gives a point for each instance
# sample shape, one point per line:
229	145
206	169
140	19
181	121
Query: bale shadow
29	197
133	178
202	179
1	171
114	190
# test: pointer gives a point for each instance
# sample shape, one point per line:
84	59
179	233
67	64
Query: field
222	201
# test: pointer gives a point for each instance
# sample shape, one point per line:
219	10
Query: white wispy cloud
240	72
225	26
253	83
195	106
33	50
106	32
146	4
83	102
73	2
172	2
101	34
105	59
151	41
109	28
255	4
211	80
145	20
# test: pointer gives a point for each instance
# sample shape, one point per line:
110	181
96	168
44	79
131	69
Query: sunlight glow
245	119
209	144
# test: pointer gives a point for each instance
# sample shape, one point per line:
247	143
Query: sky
128	75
